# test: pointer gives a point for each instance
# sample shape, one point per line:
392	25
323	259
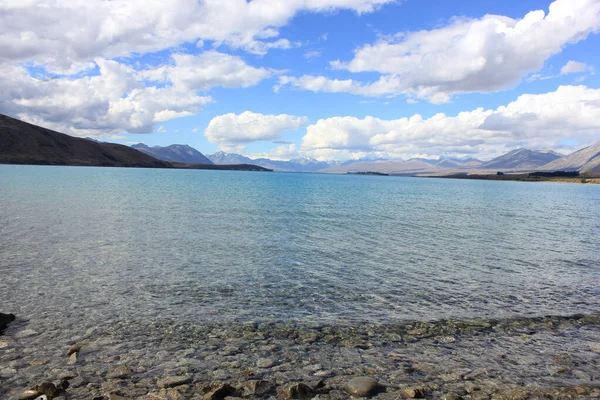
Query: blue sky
329	79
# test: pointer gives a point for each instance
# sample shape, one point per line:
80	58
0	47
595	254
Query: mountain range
584	160
521	159
176	153
24	143
518	160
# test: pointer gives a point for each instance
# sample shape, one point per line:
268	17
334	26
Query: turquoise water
87	244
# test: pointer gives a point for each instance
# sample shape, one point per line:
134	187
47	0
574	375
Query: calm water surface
87	244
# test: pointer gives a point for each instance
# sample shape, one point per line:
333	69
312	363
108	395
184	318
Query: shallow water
225	246
146	263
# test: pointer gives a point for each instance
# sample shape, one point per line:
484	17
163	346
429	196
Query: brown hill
23	143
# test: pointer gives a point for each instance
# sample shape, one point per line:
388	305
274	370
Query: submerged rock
413	392
5	319
221	392
122	371
47	388
363	386
171	381
258	388
265	363
116	396
296	391
73	358
30	394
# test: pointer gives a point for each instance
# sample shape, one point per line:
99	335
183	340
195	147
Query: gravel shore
516	358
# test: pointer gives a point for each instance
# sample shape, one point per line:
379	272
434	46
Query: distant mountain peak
521	159
182	153
584	160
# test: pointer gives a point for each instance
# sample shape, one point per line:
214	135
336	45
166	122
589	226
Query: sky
325	79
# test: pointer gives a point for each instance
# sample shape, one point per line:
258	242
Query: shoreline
592	180
555	357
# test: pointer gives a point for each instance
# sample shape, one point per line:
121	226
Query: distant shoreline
173	165
592	178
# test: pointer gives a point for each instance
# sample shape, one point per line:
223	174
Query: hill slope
222	158
23	143
584	160
175	153
521	159
409	167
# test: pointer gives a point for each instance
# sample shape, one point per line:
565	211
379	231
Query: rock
63	385
173	394
265	363
450	377
581	390
3	344
451	396
122	371
220	392
115	396
413	392
66	375
446	339
171	381
25	333
8	371
73	358
471	387
30	394
73	349
363	386
258	388
595	393
78	382
296	391
5	319
47	388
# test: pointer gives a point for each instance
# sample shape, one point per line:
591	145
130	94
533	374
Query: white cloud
536	121
50	32
573	67
161	129
236	130
195	130
312	54
205	71
108	103
387	85
120	98
283	152
468	55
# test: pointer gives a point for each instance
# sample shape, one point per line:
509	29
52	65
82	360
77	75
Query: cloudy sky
328	79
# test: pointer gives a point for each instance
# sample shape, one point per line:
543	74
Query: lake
87	250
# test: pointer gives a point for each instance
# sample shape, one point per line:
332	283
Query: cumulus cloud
207	70
468	55
574	67
539	121
283	152
385	86
121	98
50	32
233	131
107	103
